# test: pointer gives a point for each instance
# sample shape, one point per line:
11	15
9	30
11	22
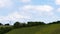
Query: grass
45	29
52	29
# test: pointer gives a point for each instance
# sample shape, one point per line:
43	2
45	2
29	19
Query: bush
4	30
17	25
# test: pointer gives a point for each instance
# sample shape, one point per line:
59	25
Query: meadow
42	29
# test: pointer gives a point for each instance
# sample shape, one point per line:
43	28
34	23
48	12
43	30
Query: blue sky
29	10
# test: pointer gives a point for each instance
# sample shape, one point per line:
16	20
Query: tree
35	23
1	24
7	24
17	25
41	23
56	22
24	24
30	24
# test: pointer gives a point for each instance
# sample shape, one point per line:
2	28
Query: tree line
29	24
7	27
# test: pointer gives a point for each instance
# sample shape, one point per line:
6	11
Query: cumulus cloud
57	2
25	1
5	3
13	17
39	12
46	8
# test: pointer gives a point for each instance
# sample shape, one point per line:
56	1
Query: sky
29	10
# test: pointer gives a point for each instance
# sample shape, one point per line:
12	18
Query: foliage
1	24
17	25
4	30
35	23
32	25
7	24
41	29
57	22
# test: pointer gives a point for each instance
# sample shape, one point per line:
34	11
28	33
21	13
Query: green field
42	29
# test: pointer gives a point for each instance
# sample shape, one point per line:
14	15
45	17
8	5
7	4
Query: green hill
42	29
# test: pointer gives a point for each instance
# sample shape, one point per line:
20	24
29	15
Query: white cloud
57	2
13	17
37	10
46	8
5	3
25	1
40	12
58	9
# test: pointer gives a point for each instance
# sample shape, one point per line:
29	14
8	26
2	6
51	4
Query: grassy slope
47	29
52	29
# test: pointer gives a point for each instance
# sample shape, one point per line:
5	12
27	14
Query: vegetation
30	28
5	29
26	30
42	29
